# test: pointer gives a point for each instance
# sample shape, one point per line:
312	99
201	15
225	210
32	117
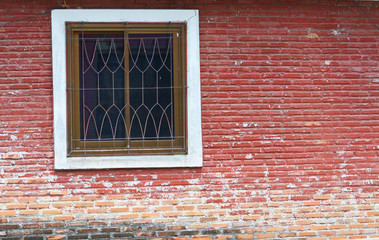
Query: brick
209	219
164	208
56	237
266	236
31	226
373	213
190	233
169	228
123	235
29	212
43	231
194	213
286	235
348	232
65	192
201	238
338	238
9	226
358	237
211	232
165	233
225	237
38	205
78	237
100	236
103	204
365	220
110	229
119	209
15	206
337	226
87	230
51	211
274	229
83	204
129	216
150	215
327	233
62	204
8	213
55	225
63	218
34	238
245	236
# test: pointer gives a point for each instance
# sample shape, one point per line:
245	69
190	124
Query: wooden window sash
77	147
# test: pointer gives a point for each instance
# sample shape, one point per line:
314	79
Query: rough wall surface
290	119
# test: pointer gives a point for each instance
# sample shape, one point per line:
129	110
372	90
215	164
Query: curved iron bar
87	124
105	61
123	119
90	62
118	60
102	122
147	119
132	119
166	57
137	57
164	113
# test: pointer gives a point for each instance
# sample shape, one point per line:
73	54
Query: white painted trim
194	158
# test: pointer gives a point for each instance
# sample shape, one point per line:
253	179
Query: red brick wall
290	104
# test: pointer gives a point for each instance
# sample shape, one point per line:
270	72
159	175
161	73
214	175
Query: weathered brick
56	237
87	230
43	231
110	229
34	238
289	125
78	237
100	236
245	236
201	238
9	226
63	217
123	235
52	211
189	233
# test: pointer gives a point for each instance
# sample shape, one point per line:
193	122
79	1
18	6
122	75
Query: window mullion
127	88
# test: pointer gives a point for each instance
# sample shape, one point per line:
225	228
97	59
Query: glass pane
151	86
102	86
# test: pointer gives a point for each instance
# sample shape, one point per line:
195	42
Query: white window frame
194	158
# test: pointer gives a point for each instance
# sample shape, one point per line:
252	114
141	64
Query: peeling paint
312	35
193	181
246	124
107	184
336	32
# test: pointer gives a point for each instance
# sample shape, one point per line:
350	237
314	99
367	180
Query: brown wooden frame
77	147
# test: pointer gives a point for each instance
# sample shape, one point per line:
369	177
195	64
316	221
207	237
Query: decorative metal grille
126	88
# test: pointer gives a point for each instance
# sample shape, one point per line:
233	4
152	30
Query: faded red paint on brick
290	131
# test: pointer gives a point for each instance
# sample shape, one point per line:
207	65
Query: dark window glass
151	82
102	86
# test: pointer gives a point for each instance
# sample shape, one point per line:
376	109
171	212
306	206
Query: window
126	89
